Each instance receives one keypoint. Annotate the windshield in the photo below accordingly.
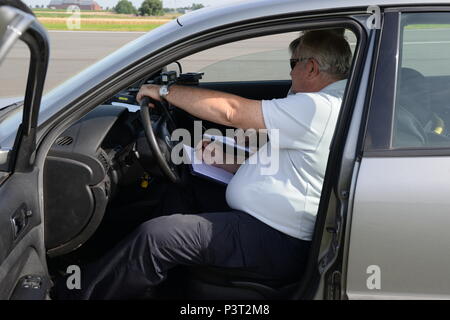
(73, 55)
(13, 74)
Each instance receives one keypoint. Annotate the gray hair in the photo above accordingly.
(328, 47)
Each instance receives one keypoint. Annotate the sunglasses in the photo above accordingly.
(293, 62)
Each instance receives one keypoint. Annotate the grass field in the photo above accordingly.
(103, 24)
(101, 21)
(53, 10)
(99, 15)
(93, 16)
(103, 27)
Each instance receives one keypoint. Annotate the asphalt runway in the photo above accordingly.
(71, 52)
(261, 58)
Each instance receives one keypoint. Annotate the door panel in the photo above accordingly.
(400, 225)
(23, 270)
(19, 214)
(21, 246)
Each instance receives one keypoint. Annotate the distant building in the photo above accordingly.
(83, 4)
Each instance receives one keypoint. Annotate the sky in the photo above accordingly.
(137, 3)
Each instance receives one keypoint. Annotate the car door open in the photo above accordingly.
(23, 270)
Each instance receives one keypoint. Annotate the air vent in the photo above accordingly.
(103, 160)
(64, 141)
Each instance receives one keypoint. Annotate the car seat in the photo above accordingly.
(416, 125)
(212, 283)
(413, 113)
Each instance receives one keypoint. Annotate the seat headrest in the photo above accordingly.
(414, 94)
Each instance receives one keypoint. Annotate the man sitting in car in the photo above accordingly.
(269, 228)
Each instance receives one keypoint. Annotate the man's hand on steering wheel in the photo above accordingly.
(158, 136)
(149, 90)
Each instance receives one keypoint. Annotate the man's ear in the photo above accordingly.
(313, 68)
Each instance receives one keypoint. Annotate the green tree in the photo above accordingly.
(151, 8)
(125, 7)
(196, 6)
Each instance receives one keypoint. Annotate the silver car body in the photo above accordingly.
(396, 207)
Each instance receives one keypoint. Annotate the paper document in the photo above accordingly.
(227, 141)
(203, 169)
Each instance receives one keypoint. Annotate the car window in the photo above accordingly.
(422, 102)
(256, 59)
(14, 73)
(263, 58)
(13, 83)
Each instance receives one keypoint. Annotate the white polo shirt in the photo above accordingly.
(287, 199)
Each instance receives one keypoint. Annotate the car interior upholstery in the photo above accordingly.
(416, 119)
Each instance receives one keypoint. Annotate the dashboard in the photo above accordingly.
(83, 170)
(88, 162)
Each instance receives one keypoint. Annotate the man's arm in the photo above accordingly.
(219, 107)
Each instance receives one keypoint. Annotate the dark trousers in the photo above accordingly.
(226, 239)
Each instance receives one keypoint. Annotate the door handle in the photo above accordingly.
(19, 220)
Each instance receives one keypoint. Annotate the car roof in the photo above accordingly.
(250, 9)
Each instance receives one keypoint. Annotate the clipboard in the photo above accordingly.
(201, 169)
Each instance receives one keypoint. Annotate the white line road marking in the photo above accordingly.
(81, 31)
(427, 42)
(429, 29)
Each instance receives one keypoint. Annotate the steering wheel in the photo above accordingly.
(158, 137)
